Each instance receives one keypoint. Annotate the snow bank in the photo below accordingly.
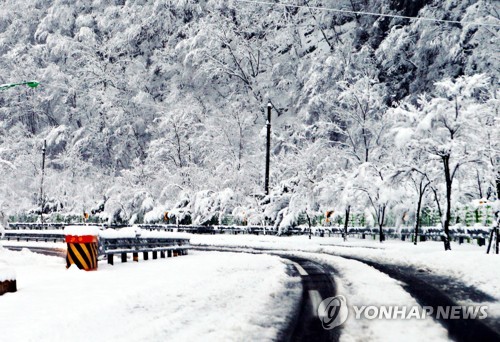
(205, 296)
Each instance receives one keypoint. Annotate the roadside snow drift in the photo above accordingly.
(203, 296)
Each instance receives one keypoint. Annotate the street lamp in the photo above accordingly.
(268, 147)
(32, 84)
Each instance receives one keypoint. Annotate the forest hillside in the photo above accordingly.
(154, 106)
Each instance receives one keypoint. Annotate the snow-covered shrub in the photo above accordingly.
(156, 214)
(208, 207)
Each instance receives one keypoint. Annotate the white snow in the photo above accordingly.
(403, 135)
(6, 273)
(155, 214)
(466, 263)
(135, 231)
(81, 230)
(363, 285)
(205, 296)
(229, 296)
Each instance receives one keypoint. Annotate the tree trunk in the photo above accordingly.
(498, 184)
(497, 242)
(417, 219)
(419, 207)
(480, 188)
(309, 223)
(447, 174)
(346, 223)
(381, 223)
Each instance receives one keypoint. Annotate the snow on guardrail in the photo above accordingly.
(136, 231)
(81, 230)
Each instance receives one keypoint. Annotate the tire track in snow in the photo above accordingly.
(427, 294)
(425, 291)
(317, 284)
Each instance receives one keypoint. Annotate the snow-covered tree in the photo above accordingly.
(448, 128)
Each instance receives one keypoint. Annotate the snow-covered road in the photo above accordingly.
(411, 276)
(362, 285)
(466, 263)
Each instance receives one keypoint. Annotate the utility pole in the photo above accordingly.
(42, 202)
(268, 147)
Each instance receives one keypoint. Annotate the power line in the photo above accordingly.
(367, 13)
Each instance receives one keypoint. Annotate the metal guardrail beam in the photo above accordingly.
(119, 245)
(28, 236)
(123, 246)
(470, 232)
(109, 245)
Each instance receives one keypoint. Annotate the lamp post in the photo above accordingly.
(42, 202)
(32, 84)
(268, 147)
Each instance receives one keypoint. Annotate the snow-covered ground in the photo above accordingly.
(467, 263)
(362, 286)
(227, 296)
(204, 296)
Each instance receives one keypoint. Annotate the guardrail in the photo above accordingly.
(57, 226)
(194, 229)
(459, 234)
(117, 243)
(31, 235)
(86, 244)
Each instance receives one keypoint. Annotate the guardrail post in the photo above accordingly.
(124, 257)
(169, 253)
(155, 255)
(135, 256)
(110, 259)
(162, 254)
(146, 255)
